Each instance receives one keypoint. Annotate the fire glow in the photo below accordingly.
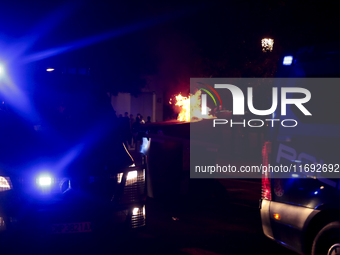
(190, 107)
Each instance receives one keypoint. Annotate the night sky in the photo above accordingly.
(175, 40)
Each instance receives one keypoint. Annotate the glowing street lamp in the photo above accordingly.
(267, 44)
(50, 69)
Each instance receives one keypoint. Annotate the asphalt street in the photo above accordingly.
(207, 226)
(225, 221)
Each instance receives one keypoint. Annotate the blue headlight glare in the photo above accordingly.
(44, 180)
(287, 60)
(2, 70)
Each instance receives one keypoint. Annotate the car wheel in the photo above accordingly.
(327, 241)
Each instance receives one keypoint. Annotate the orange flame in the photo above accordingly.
(190, 107)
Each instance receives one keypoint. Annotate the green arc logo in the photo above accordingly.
(210, 94)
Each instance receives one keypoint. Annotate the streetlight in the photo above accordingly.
(267, 44)
(50, 69)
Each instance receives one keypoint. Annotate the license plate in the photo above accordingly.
(64, 228)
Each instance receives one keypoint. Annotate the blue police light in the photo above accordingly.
(287, 60)
(45, 180)
(2, 70)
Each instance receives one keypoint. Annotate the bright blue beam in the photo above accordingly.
(69, 157)
(40, 30)
(13, 93)
(2, 70)
(105, 36)
(15, 97)
(95, 134)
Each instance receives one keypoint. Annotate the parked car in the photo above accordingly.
(300, 209)
(67, 170)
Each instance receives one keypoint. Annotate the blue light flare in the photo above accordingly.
(2, 70)
(45, 180)
(287, 60)
(44, 27)
(106, 36)
(16, 97)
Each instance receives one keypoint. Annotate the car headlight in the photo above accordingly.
(5, 183)
(131, 177)
(138, 217)
(119, 177)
